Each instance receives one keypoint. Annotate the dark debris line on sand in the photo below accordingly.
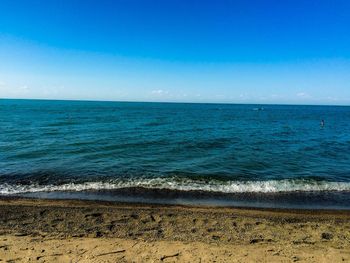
(169, 256)
(110, 253)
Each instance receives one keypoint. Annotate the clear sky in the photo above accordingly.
(244, 51)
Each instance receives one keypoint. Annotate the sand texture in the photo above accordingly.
(86, 231)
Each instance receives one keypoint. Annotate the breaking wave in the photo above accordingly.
(185, 184)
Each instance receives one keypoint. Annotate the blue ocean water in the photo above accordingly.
(271, 155)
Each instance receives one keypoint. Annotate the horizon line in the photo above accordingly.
(176, 102)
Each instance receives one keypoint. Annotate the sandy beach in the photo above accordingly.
(88, 231)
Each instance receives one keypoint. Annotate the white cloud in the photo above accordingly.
(244, 96)
(13, 91)
(303, 95)
(24, 88)
(332, 98)
(159, 92)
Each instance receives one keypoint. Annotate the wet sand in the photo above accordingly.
(87, 231)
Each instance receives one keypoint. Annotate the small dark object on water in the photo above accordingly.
(322, 123)
(258, 109)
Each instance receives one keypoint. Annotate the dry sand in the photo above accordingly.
(86, 231)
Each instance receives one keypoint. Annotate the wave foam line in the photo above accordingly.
(272, 186)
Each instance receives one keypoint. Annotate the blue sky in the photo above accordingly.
(245, 51)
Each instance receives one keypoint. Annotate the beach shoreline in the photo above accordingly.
(61, 230)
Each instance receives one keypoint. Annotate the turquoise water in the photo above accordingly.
(277, 156)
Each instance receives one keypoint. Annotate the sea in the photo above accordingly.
(271, 156)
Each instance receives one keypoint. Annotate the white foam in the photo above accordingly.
(184, 184)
